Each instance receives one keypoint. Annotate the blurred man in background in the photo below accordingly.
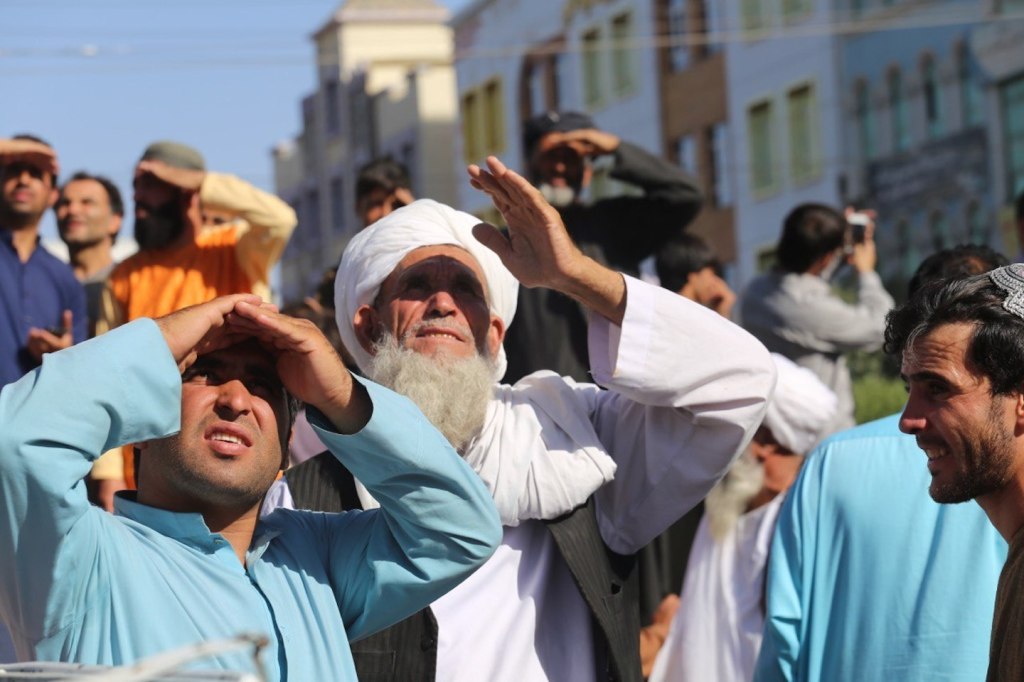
(560, 149)
(381, 187)
(794, 311)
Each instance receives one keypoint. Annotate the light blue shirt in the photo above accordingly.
(78, 584)
(869, 579)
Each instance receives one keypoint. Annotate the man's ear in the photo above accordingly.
(367, 327)
(54, 196)
(495, 335)
(115, 226)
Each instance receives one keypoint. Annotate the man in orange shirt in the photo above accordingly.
(182, 261)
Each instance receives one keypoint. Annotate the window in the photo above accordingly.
(686, 154)
(762, 155)
(538, 98)
(333, 106)
(865, 120)
(622, 54)
(801, 107)
(753, 14)
(471, 127)
(313, 215)
(1012, 102)
(977, 229)
(795, 9)
(592, 91)
(678, 46)
(939, 229)
(932, 97)
(494, 118)
(898, 114)
(719, 173)
(483, 122)
(337, 204)
(971, 95)
(905, 240)
(711, 12)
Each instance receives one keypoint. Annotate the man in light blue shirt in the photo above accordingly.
(205, 394)
(869, 578)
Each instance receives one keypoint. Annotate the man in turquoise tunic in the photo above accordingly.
(205, 395)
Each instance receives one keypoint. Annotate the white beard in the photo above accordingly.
(451, 392)
(559, 197)
(728, 500)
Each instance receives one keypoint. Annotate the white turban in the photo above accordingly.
(374, 253)
(801, 407)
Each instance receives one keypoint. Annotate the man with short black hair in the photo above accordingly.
(89, 213)
(794, 312)
(208, 396)
(868, 578)
(42, 305)
(688, 266)
(381, 187)
(962, 350)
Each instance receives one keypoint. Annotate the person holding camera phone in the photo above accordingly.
(793, 311)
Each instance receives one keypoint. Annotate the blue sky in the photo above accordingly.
(100, 79)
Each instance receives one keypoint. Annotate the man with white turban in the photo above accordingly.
(582, 477)
(716, 633)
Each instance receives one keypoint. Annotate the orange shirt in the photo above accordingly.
(158, 282)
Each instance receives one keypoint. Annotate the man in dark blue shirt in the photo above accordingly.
(42, 305)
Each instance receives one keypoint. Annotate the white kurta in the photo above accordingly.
(686, 390)
(716, 633)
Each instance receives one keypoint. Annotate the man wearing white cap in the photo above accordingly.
(716, 634)
(581, 477)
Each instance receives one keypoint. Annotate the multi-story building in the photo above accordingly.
(694, 111)
(385, 84)
(997, 47)
(516, 59)
(784, 119)
(917, 145)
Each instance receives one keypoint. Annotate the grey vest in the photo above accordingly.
(408, 650)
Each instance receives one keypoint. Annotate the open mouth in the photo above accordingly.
(229, 441)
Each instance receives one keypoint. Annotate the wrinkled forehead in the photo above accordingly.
(435, 258)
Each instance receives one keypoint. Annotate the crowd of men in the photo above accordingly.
(510, 455)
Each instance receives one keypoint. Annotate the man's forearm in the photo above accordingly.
(55, 422)
(597, 288)
(439, 521)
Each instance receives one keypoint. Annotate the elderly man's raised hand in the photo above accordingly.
(538, 250)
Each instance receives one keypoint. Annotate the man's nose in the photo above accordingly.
(441, 303)
(912, 420)
(233, 399)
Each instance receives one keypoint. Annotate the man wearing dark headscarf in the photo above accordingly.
(551, 329)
